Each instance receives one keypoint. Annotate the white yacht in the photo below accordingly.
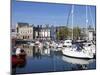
(76, 52)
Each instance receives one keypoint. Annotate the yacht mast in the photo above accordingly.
(86, 23)
(72, 11)
(92, 18)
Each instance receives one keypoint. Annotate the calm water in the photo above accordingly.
(47, 60)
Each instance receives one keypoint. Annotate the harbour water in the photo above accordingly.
(47, 60)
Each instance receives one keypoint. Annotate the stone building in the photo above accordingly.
(30, 32)
(24, 31)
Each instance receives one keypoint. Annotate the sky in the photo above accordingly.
(52, 13)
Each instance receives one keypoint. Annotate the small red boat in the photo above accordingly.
(18, 59)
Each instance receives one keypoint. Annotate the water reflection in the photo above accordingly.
(18, 62)
(47, 60)
(80, 63)
(35, 51)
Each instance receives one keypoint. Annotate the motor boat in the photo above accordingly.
(37, 43)
(76, 52)
(67, 43)
(18, 56)
(18, 52)
(60, 45)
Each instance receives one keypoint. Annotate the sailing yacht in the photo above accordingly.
(75, 52)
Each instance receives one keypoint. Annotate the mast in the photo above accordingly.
(69, 13)
(93, 23)
(92, 18)
(86, 22)
(72, 11)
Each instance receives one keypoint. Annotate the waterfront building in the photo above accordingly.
(45, 33)
(24, 31)
(91, 34)
(42, 33)
(88, 34)
(53, 33)
(30, 32)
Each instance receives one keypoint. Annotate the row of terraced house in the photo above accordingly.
(25, 31)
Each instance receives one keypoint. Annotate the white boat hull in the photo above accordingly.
(76, 61)
(77, 54)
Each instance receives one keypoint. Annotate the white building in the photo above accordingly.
(24, 31)
(91, 35)
(42, 33)
(88, 34)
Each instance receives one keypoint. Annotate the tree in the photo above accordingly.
(76, 33)
(63, 33)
